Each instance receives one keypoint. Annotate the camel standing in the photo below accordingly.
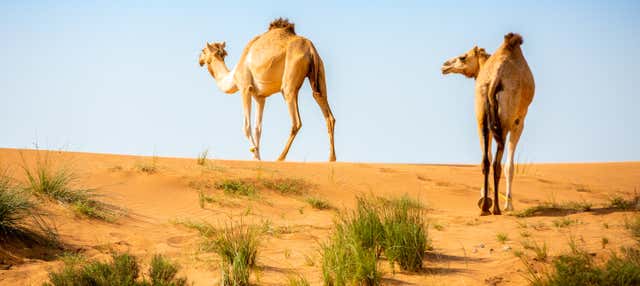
(276, 61)
(503, 91)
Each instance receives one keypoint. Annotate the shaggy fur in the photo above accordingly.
(282, 23)
(513, 40)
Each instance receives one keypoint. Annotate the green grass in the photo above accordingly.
(203, 157)
(57, 183)
(405, 234)
(318, 203)
(541, 251)
(15, 206)
(123, 269)
(236, 187)
(203, 199)
(286, 186)
(393, 227)
(577, 267)
(204, 228)
(502, 237)
(237, 246)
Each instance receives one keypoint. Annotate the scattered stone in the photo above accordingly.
(506, 248)
(490, 250)
(481, 245)
(474, 250)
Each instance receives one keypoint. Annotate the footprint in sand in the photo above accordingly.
(177, 241)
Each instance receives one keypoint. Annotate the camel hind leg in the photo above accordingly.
(321, 99)
(514, 137)
(295, 71)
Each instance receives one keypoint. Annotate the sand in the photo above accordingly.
(154, 202)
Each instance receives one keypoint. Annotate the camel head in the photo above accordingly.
(467, 64)
(211, 52)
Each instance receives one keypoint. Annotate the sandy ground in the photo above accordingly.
(154, 201)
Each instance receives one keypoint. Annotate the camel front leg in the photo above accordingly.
(485, 202)
(296, 123)
(246, 108)
(257, 132)
(514, 137)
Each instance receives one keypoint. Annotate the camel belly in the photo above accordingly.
(266, 73)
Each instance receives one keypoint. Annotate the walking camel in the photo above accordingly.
(276, 61)
(503, 91)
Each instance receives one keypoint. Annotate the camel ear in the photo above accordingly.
(223, 44)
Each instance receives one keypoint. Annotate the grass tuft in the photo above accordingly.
(56, 183)
(236, 187)
(298, 281)
(502, 237)
(550, 207)
(287, 186)
(621, 203)
(15, 206)
(318, 203)
(203, 157)
(122, 270)
(237, 246)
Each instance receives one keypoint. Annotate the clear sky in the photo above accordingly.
(123, 77)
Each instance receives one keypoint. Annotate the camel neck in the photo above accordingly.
(224, 79)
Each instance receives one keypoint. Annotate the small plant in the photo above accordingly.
(502, 237)
(318, 203)
(45, 179)
(237, 246)
(567, 207)
(438, 227)
(286, 186)
(204, 228)
(564, 222)
(621, 203)
(203, 157)
(604, 242)
(149, 168)
(525, 234)
(577, 267)
(633, 225)
(287, 253)
(14, 206)
(122, 270)
(298, 281)
(203, 199)
(405, 238)
(236, 187)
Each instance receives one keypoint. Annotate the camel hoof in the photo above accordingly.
(508, 207)
(496, 211)
(486, 201)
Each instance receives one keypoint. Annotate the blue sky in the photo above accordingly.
(123, 77)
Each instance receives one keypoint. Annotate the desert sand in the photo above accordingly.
(153, 202)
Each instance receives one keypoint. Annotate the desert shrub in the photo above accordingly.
(318, 203)
(298, 281)
(237, 246)
(123, 269)
(286, 186)
(202, 157)
(15, 206)
(236, 187)
(394, 227)
(405, 235)
(57, 183)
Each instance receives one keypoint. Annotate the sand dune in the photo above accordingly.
(154, 201)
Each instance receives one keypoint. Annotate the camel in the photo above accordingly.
(275, 61)
(504, 89)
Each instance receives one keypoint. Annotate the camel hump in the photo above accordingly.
(513, 40)
(283, 23)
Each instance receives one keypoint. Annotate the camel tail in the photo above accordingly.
(316, 73)
(491, 110)
(513, 40)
